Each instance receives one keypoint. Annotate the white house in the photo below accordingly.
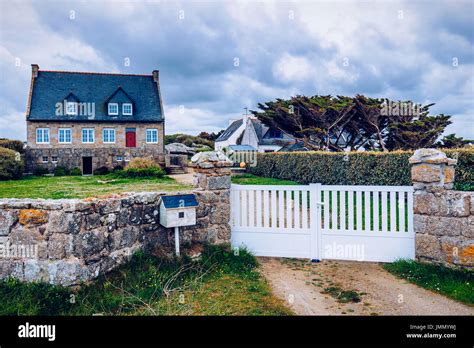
(250, 131)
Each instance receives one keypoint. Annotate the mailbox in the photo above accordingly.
(178, 210)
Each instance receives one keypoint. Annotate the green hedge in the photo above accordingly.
(354, 168)
(10, 167)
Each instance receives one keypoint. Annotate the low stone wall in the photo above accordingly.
(70, 241)
(443, 218)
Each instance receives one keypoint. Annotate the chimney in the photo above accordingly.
(156, 75)
(34, 70)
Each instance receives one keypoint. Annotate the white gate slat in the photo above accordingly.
(259, 208)
(334, 210)
(296, 210)
(251, 212)
(350, 206)
(273, 202)
(327, 207)
(410, 212)
(281, 209)
(376, 211)
(266, 209)
(358, 210)
(401, 209)
(393, 212)
(342, 207)
(367, 209)
(384, 212)
(237, 204)
(304, 204)
(244, 219)
(289, 218)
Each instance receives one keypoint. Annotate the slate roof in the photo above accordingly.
(179, 201)
(298, 146)
(230, 130)
(51, 87)
(263, 135)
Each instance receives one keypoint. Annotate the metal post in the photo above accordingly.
(176, 240)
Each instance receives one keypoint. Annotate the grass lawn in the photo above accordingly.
(220, 283)
(454, 283)
(83, 186)
(250, 179)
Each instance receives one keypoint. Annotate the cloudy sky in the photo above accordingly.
(216, 57)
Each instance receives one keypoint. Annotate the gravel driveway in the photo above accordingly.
(302, 283)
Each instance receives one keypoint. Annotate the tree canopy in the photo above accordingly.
(336, 123)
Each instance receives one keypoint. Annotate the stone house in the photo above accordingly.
(92, 120)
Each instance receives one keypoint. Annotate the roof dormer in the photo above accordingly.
(120, 103)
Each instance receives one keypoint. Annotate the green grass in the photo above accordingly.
(250, 179)
(457, 284)
(220, 283)
(83, 186)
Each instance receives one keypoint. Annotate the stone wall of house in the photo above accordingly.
(104, 154)
(74, 240)
(443, 218)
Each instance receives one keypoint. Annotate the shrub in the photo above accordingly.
(75, 171)
(101, 171)
(118, 167)
(15, 145)
(139, 163)
(354, 168)
(155, 172)
(10, 167)
(61, 171)
(40, 171)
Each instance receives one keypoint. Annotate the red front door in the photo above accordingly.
(130, 139)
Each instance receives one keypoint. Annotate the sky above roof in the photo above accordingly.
(215, 57)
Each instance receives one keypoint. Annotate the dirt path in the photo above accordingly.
(186, 179)
(301, 284)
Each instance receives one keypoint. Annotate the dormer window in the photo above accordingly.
(113, 109)
(127, 109)
(71, 108)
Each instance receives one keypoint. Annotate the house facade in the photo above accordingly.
(93, 120)
(252, 132)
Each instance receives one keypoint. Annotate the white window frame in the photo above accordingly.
(131, 109)
(74, 108)
(108, 108)
(151, 130)
(52, 159)
(65, 130)
(42, 131)
(119, 158)
(108, 130)
(93, 136)
(43, 157)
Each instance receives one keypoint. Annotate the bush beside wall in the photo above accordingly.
(354, 168)
(10, 167)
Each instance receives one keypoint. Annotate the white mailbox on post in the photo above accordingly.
(178, 210)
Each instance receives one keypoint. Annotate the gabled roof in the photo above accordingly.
(179, 201)
(262, 132)
(51, 87)
(230, 130)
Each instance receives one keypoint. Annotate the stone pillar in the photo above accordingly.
(431, 170)
(443, 218)
(212, 187)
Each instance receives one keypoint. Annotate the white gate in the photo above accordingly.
(365, 223)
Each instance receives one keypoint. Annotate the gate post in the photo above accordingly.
(315, 221)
